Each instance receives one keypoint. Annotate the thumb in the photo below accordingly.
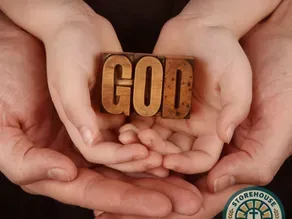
(236, 95)
(261, 155)
(22, 162)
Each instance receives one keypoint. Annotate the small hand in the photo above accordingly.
(220, 102)
(73, 58)
(74, 40)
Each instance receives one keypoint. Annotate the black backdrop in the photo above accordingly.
(137, 23)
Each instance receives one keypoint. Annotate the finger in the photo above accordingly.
(163, 132)
(129, 132)
(141, 122)
(22, 162)
(152, 161)
(184, 201)
(257, 160)
(203, 156)
(91, 190)
(212, 206)
(213, 202)
(175, 125)
(114, 174)
(179, 182)
(113, 153)
(159, 172)
(129, 137)
(109, 153)
(171, 186)
(236, 95)
(153, 141)
(128, 127)
(183, 141)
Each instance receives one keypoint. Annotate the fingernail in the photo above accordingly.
(87, 135)
(58, 174)
(223, 182)
(230, 132)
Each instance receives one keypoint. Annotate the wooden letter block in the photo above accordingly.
(177, 94)
(147, 85)
(116, 82)
(148, 79)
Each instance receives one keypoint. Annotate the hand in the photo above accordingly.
(37, 153)
(74, 41)
(212, 204)
(263, 142)
(220, 101)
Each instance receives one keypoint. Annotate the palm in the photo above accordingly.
(180, 140)
(194, 145)
(27, 109)
(271, 107)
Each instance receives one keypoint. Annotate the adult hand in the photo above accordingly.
(263, 142)
(212, 204)
(37, 153)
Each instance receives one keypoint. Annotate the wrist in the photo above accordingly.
(236, 16)
(44, 19)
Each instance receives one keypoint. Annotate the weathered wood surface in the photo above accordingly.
(147, 85)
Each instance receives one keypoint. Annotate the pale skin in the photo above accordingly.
(100, 136)
(208, 31)
(218, 107)
(259, 147)
(37, 154)
(74, 31)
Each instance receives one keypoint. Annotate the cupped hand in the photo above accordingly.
(211, 206)
(263, 141)
(220, 101)
(73, 58)
(33, 142)
(37, 153)
(74, 39)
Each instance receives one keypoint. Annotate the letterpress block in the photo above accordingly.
(116, 84)
(147, 85)
(178, 84)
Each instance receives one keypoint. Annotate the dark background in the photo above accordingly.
(137, 23)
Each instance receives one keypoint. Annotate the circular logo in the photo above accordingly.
(254, 203)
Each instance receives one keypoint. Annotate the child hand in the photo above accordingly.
(220, 102)
(73, 38)
(222, 90)
(221, 98)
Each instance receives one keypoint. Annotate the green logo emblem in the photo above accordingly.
(254, 203)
